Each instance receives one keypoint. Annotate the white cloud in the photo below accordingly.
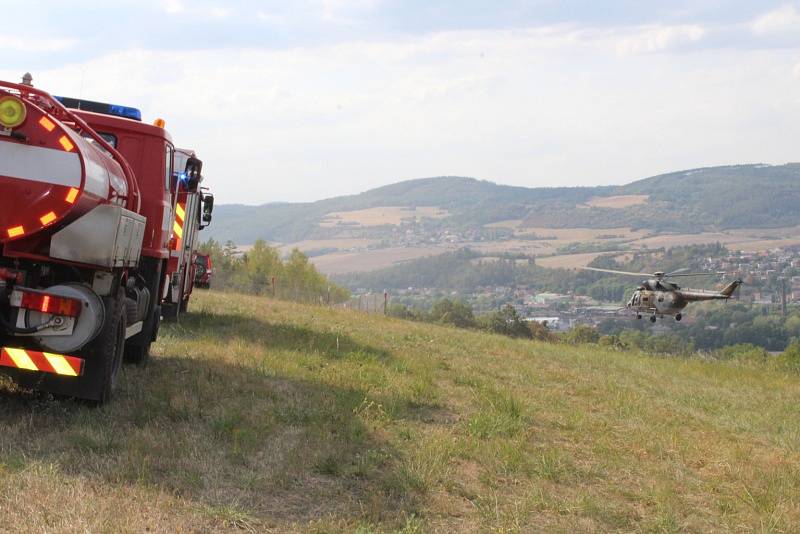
(544, 106)
(659, 39)
(271, 18)
(173, 7)
(178, 7)
(218, 12)
(29, 44)
(345, 10)
(785, 20)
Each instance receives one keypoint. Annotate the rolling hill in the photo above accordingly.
(264, 416)
(688, 201)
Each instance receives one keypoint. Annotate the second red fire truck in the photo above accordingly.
(189, 220)
(88, 203)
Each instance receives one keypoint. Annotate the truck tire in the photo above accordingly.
(172, 308)
(104, 354)
(184, 306)
(171, 311)
(137, 349)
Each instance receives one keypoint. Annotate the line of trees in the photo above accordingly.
(262, 271)
(505, 321)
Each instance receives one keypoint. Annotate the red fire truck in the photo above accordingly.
(192, 214)
(87, 203)
(203, 271)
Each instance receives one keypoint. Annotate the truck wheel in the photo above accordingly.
(184, 306)
(104, 355)
(170, 311)
(137, 349)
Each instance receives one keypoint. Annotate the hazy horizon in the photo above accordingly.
(497, 182)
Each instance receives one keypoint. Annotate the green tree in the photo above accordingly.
(790, 359)
(581, 334)
(507, 322)
(454, 312)
(253, 272)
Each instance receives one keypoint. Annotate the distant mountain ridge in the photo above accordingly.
(694, 200)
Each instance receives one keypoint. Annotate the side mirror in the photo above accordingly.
(193, 173)
(208, 208)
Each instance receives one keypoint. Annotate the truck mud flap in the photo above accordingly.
(44, 362)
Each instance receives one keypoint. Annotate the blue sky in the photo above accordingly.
(310, 99)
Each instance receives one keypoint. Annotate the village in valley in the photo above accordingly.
(771, 280)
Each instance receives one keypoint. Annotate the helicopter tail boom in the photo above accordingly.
(693, 295)
(731, 288)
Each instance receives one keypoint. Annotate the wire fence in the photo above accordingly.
(368, 303)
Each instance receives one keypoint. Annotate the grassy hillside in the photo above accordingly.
(685, 201)
(258, 415)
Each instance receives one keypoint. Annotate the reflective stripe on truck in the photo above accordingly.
(46, 362)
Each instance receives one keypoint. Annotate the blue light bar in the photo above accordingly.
(128, 113)
(100, 107)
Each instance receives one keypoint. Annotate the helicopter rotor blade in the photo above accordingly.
(689, 274)
(682, 270)
(626, 273)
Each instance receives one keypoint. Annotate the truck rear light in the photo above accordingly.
(51, 304)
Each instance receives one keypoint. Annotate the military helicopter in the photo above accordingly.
(659, 297)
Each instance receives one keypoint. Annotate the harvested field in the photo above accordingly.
(510, 224)
(571, 261)
(571, 235)
(372, 260)
(766, 233)
(680, 240)
(618, 202)
(338, 244)
(763, 244)
(346, 260)
(387, 215)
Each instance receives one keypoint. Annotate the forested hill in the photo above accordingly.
(737, 196)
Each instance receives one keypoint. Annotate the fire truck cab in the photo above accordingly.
(193, 211)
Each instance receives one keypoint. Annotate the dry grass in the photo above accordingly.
(618, 202)
(392, 215)
(263, 416)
